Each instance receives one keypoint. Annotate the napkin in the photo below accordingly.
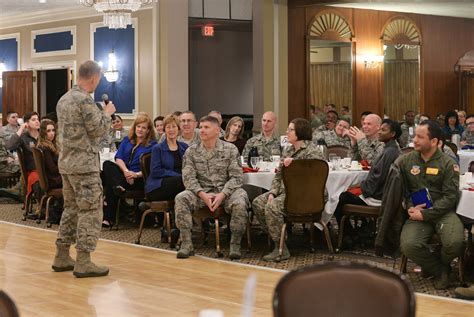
(249, 170)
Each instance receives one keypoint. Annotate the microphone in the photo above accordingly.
(105, 99)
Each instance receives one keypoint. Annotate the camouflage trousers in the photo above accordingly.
(82, 216)
(187, 202)
(270, 215)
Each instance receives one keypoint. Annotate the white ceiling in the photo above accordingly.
(17, 12)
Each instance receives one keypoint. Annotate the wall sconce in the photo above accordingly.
(372, 61)
(3, 68)
(111, 74)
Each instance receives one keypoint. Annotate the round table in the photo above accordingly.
(337, 182)
(465, 157)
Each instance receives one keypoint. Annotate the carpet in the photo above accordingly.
(298, 244)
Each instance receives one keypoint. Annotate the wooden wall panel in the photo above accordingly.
(444, 41)
(296, 65)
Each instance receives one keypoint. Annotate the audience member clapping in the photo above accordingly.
(365, 144)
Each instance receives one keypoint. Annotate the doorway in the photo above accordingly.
(52, 85)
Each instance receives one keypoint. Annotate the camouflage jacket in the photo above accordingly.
(213, 171)
(7, 131)
(331, 138)
(307, 151)
(8, 163)
(405, 139)
(265, 147)
(81, 127)
(368, 150)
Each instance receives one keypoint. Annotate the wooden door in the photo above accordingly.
(17, 92)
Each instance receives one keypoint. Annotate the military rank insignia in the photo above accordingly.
(415, 170)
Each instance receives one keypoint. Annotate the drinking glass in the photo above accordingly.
(254, 161)
(331, 156)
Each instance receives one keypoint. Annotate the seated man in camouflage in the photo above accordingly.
(332, 117)
(8, 164)
(337, 136)
(269, 207)
(11, 127)
(365, 143)
(468, 134)
(267, 143)
(428, 168)
(213, 176)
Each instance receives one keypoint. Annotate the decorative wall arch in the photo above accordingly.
(330, 25)
(400, 30)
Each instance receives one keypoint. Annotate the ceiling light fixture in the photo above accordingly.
(117, 13)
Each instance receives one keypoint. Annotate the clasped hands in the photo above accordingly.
(415, 212)
(213, 201)
(130, 176)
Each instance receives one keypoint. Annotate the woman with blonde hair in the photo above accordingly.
(234, 132)
(165, 180)
(125, 173)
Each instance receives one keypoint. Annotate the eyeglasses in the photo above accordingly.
(469, 123)
(289, 130)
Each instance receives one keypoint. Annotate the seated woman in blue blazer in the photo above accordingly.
(124, 173)
(165, 181)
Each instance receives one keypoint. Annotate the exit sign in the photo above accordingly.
(207, 30)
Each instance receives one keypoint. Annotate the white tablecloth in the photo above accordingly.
(465, 157)
(338, 182)
(465, 206)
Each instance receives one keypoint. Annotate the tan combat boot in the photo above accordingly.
(235, 240)
(465, 292)
(186, 249)
(274, 256)
(63, 261)
(85, 268)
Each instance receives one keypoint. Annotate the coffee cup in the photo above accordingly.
(354, 165)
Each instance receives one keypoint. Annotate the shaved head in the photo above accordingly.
(371, 125)
(269, 120)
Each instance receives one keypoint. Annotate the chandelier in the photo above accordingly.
(117, 13)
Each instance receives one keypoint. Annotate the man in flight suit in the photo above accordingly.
(429, 168)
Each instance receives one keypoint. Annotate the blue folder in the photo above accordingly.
(422, 197)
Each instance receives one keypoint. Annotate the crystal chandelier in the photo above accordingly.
(117, 13)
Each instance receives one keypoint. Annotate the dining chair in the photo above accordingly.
(344, 289)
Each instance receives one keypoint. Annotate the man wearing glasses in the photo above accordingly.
(468, 134)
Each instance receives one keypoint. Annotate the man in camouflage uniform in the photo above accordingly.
(428, 168)
(189, 134)
(267, 143)
(216, 114)
(346, 114)
(405, 139)
(366, 144)
(332, 117)
(81, 125)
(11, 128)
(338, 136)
(8, 163)
(269, 207)
(213, 176)
(468, 134)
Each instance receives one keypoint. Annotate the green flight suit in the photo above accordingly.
(440, 175)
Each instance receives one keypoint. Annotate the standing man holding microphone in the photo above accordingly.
(81, 126)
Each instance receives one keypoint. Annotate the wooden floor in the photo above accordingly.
(142, 282)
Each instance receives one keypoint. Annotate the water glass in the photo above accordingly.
(254, 161)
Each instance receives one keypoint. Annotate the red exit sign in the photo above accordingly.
(207, 30)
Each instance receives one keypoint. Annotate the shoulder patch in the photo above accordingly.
(415, 170)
